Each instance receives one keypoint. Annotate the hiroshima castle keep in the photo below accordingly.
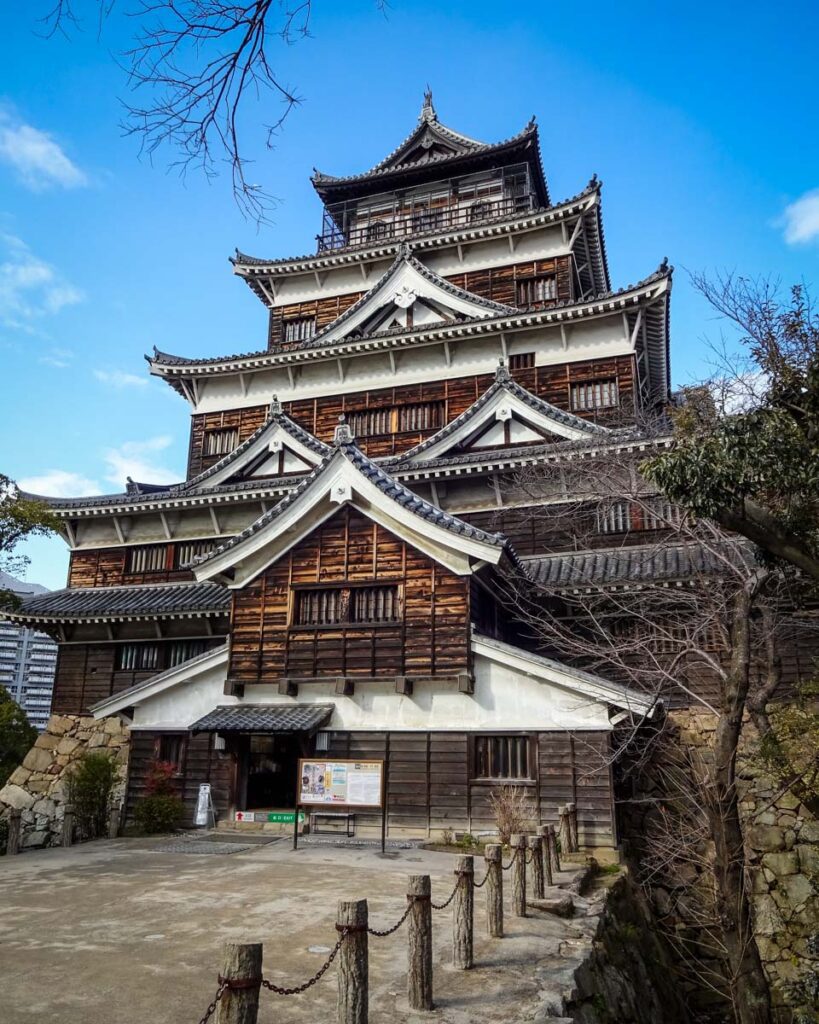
(330, 580)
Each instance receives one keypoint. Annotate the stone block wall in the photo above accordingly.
(39, 787)
(782, 854)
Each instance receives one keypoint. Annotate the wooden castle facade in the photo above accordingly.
(329, 578)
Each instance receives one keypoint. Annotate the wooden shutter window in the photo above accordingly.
(330, 606)
(146, 558)
(220, 442)
(532, 290)
(300, 328)
(595, 394)
(502, 757)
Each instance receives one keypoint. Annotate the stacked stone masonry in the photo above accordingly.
(39, 787)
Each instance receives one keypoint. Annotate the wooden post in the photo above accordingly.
(565, 830)
(494, 890)
(242, 964)
(353, 970)
(546, 855)
(68, 825)
(536, 846)
(575, 845)
(113, 820)
(419, 966)
(554, 856)
(463, 908)
(15, 823)
(518, 844)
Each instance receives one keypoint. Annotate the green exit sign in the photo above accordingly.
(282, 816)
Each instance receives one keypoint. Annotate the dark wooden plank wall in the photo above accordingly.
(430, 638)
(320, 415)
(105, 567)
(86, 674)
(497, 283)
(200, 763)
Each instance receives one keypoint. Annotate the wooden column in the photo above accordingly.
(419, 965)
(353, 971)
(536, 846)
(565, 833)
(68, 825)
(242, 964)
(518, 844)
(463, 910)
(546, 855)
(15, 825)
(554, 856)
(573, 840)
(494, 890)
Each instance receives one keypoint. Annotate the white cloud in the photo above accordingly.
(800, 221)
(138, 460)
(59, 483)
(37, 159)
(30, 288)
(59, 358)
(120, 379)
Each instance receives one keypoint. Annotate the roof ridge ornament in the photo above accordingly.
(428, 110)
(275, 408)
(502, 374)
(343, 434)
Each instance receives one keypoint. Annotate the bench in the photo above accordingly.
(348, 816)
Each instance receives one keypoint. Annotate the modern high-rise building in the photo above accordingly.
(28, 659)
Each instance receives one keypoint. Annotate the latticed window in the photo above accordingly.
(595, 394)
(660, 515)
(537, 289)
(480, 211)
(147, 558)
(222, 441)
(299, 328)
(327, 606)
(378, 230)
(416, 416)
(615, 518)
(427, 220)
(138, 657)
(622, 516)
(170, 748)
(502, 757)
(190, 549)
(522, 361)
(184, 650)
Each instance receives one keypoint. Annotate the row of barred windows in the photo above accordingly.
(328, 606)
(156, 657)
(148, 558)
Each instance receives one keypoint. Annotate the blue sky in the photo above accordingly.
(701, 119)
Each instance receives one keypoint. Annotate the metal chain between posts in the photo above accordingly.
(389, 931)
(280, 991)
(443, 906)
(478, 885)
(212, 1005)
(506, 867)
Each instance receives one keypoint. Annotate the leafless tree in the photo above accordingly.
(675, 607)
(198, 63)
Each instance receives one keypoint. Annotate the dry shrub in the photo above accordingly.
(510, 810)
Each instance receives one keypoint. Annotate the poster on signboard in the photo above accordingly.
(354, 783)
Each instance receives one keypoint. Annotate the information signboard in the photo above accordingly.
(352, 783)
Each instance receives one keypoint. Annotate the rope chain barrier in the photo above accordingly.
(443, 906)
(479, 885)
(515, 855)
(389, 931)
(213, 1004)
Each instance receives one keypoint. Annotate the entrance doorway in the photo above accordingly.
(272, 763)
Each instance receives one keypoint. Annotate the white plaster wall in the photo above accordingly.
(503, 699)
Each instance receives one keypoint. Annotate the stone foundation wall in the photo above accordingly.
(782, 853)
(39, 787)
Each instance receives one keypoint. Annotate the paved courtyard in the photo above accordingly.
(118, 932)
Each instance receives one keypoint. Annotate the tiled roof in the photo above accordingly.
(627, 565)
(78, 603)
(394, 490)
(503, 382)
(265, 718)
(663, 271)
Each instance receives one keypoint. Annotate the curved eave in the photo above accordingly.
(526, 143)
(35, 619)
(175, 369)
(250, 267)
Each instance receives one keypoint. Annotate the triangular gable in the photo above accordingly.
(506, 414)
(347, 476)
(408, 295)
(279, 447)
(429, 140)
(586, 685)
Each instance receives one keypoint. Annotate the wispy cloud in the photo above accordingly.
(37, 159)
(139, 460)
(30, 288)
(120, 379)
(59, 358)
(800, 220)
(59, 483)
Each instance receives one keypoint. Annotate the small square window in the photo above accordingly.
(505, 758)
(170, 749)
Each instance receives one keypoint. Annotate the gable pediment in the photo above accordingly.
(409, 295)
(504, 416)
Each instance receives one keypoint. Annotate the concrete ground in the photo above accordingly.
(117, 932)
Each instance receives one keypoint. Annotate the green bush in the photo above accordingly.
(159, 813)
(89, 790)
